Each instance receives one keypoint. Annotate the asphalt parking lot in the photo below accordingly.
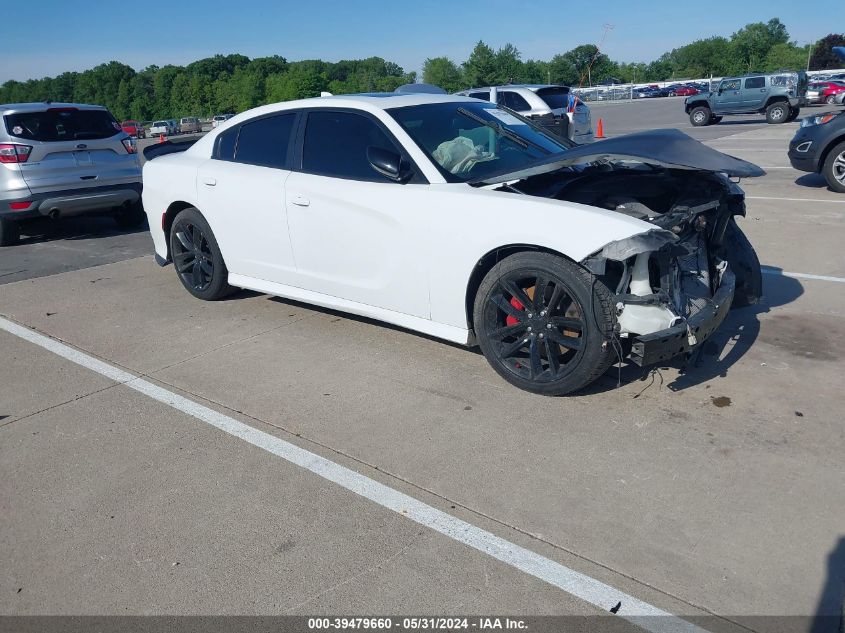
(394, 473)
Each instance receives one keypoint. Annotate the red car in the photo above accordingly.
(685, 91)
(824, 91)
(133, 128)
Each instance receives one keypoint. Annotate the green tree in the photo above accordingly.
(786, 57)
(752, 43)
(443, 72)
(823, 57)
(298, 83)
(480, 69)
(508, 64)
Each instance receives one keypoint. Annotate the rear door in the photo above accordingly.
(754, 93)
(241, 191)
(72, 148)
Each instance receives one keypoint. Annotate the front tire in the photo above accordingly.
(833, 169)
(715, 119)
(700, 116)
(777, 112)
(544, 323)
(9, 232)
(197, 257)
(793, 114)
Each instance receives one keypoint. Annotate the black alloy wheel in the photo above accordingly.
(196, 256)
(192, 257)
(534, 325)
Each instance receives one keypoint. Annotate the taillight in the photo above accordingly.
(13, 153)
(129, 145)
(20, 206)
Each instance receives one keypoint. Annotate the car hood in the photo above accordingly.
(666, 148)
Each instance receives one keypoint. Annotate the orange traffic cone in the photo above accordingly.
(161, 136)
(600, 130)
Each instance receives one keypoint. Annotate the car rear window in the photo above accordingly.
(557, 97)
(62, 125)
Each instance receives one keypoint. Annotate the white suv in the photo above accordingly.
(545, 103)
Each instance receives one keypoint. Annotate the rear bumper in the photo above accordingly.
(685, 337)
(71, 202)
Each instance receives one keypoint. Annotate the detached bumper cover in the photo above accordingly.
(648, 349)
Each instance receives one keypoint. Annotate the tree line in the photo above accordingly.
(757, 47)
(234, 83)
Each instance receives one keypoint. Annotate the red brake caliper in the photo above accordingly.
(512, 320)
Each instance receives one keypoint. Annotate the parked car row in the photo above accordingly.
(167, 127)
(825, 91)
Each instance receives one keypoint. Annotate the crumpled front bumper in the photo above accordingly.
(648, 349)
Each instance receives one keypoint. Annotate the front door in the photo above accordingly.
(728, 97)
(356, 234)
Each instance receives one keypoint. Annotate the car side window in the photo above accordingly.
(224, 147)
(336, 145)
(755, 82)
(264, 142)
(513, 101)
(730, 84)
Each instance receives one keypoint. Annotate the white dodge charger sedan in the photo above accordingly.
(463, 220)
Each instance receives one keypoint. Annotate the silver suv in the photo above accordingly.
(546, 104)
(63, 159)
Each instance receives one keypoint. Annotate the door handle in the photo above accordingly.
(209, 181)
(300, 200)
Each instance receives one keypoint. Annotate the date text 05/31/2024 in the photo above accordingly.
(428, 623)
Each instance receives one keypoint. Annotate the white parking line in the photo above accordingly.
(598, 594)
(794, 199)
(771, 270)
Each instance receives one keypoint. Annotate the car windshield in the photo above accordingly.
(470, 140)
(556, 97)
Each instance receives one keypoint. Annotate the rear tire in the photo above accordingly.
(9, 232)
(197, 258)
(831, 99)
(777, 112)
(553, 341)
(131, 218)
(700, 116)
(833, 169)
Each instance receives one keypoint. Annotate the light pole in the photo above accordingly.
(809, 50)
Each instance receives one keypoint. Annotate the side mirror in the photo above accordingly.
(387, 163)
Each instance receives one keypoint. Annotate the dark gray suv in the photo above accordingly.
(58, 160)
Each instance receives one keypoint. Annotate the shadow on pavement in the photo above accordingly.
(816, 181)
(830, 612)
(78, 228)
(714, 358)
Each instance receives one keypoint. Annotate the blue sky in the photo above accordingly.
(75, 35)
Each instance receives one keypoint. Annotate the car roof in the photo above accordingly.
(42, 106)
(531, 87)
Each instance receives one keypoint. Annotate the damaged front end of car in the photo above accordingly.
(675, 283)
